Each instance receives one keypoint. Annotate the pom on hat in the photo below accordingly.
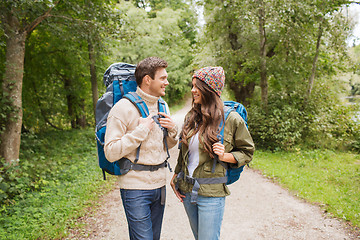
(214, 77)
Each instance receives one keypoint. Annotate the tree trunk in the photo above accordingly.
(70, 99)
(263, 73)
(94, 86)
(12, 88)
(16, 32)
(242, 92)
(80, 117)
(313, 71)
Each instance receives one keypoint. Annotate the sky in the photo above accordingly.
(354, 12)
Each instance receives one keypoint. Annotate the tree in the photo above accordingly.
(19, 19)
(160, 36)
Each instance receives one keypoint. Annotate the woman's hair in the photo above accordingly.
(204, 118)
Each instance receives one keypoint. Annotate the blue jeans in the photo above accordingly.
(144, 213)
(205, 216)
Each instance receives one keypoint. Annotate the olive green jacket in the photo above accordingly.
(237, 141)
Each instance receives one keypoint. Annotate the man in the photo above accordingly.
(142, 192)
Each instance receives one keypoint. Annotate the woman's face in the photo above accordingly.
(196, 92)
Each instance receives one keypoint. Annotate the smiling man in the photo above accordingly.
(142, 191)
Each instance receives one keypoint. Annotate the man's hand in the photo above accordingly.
(147, 122)
(166, 121)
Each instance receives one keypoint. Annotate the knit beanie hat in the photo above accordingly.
(214, 77)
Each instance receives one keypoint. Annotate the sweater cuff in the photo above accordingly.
(173, 131)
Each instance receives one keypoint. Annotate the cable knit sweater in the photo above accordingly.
(124, 135)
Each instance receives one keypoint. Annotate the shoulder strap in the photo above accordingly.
(138, 102)
(227, 111)
(162, 106)
(143, 110)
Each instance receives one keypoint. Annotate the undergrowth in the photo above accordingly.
(56, 179)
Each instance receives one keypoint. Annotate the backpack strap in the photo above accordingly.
(216, 180)
(162, 108)
(227, 111)
(196, 182)
(144, 112)
(138, 102)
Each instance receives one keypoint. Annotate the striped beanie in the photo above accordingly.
(214, 77)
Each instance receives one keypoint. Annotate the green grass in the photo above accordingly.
(72, 183)
(331, 179)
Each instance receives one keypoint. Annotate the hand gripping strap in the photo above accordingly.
(144, 112)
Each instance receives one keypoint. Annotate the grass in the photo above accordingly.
(72, 185)
(331, 179)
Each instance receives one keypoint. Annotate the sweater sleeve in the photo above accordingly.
(172, 138)
(119, 141)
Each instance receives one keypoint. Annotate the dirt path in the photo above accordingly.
(256, 209)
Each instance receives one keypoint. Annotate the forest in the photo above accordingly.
(288, 62)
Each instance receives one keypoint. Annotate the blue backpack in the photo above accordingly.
(120, 82)
(233, 174)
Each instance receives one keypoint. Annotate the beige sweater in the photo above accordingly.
(123, 136)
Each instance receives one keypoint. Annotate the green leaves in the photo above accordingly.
(54, 181)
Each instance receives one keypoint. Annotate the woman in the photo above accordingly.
(199, 176)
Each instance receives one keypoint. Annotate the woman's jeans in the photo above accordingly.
(144, 213)
(205, 216)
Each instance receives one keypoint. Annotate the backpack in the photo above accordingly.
(233, 174)
(120, 82)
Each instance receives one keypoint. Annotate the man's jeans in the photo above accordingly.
(205, 216)
(144, 213)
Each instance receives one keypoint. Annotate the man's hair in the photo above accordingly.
(148, 66)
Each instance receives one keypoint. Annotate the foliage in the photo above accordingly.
(326, 177)
(56, 73)
(158, 36)
(231, 39)
(56, 178)
(322, 121)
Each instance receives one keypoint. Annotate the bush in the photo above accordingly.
(321, 122)
(56, 178)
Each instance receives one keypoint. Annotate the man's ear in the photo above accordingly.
(147, 80)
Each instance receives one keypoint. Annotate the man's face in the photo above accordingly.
(159, 83)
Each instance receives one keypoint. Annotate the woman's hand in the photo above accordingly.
(177, 193)
(219, 149)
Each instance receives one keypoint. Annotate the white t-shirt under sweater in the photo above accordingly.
(193, 154)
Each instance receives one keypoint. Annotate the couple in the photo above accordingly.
(143, 192)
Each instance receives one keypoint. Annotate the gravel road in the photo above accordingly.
(256, 209)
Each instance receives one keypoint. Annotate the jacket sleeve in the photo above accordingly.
(119, 142)
(179, 162)
(243, 145)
